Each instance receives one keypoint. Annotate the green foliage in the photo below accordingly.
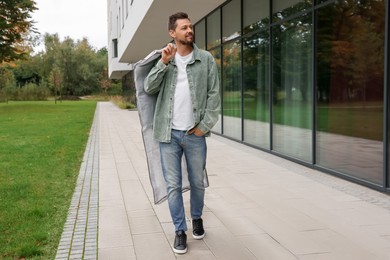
(15, 23)
(32, 91)
(122, 102)
(41, 146)
(66, 68)
(115, 88)
(28, 70)
(7, 84)
(55, 82)
(81, 66)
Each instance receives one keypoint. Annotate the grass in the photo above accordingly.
(41, 148)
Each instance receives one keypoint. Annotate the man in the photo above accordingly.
(187, 107)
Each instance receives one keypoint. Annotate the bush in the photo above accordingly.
(122, 102)
(31, 91)
(116, 89)
(7, 93)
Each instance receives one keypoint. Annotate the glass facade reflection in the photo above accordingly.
(283, 9)
(256, 15)
(256, 89)
(231, 87)
(216, 52)
(292, 88)
(200, 34)
(350, 58)
(305, 80)
(231, 20)
(213, 29)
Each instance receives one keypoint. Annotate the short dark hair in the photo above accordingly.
(173, 18)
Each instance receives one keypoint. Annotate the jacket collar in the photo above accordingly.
(195, 56)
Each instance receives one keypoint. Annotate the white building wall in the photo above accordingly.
(140, 26)
(118, 12)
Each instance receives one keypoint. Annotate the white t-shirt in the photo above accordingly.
(183, 118)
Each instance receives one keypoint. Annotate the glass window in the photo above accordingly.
(282, 9)
(217, 56)
(200, 34)
(231, 20)
(350, 69)
(256, 15)
(256, 89)
(123, 14)
(127, 9)
(214, 29)
(114, 48)
(231, 84)
(292, 88)
(119, 22)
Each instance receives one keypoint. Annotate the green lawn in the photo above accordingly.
(41, 148)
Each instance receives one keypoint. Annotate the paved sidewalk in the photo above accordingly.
(258, 206)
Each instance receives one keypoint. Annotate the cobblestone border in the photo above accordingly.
(80, 235)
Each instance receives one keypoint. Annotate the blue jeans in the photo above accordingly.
(194, 149)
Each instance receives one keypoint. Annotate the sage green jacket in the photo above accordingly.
(203, 81)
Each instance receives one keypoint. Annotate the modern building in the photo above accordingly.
(305, 80)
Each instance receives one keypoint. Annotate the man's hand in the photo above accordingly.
(168, 53)
(196, 131)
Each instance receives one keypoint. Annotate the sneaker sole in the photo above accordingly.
(178, 251)
(199, 237)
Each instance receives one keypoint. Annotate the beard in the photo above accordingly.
(187, 42)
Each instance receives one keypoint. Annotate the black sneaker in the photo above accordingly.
(180, 245)
(197, 229)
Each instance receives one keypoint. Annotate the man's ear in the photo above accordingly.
(172, 33)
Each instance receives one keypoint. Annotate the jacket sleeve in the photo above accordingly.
(213, 101)
(153, 82)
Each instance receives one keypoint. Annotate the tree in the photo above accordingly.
(55, 82)
(66, 67)
(105, 82)
(7, 83)
(27, 70)
(15, 24)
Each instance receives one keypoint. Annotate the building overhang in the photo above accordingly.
(116, 70)
(152, 32)
(118, 74)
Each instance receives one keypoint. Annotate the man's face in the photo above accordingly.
(183, 32)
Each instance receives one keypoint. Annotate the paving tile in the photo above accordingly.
(117, 253)
(112, 217)
(258, 206)
(141, 213)
(114, 237)
(162, 212)
(197, 250)
(263, 246)
(145, 225)
(126, 171)
(134, 196)
(144, 243)
(224, 245)
(240, 226)
(339, 245)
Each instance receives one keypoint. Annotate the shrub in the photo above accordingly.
(32, 91)
(122, 103)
